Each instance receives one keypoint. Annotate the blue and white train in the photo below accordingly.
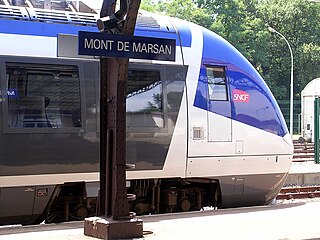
(204, 130)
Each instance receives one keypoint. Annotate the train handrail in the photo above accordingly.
(37, 14)
(68, 17)
(46, 15)
(14, 12)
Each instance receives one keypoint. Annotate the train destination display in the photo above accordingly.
(112, 45)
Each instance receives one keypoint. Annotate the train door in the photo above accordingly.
(219, 105)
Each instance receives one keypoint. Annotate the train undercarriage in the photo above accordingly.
(70, 202)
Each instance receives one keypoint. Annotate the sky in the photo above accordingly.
(94, 4)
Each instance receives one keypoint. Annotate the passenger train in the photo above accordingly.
(204, 130)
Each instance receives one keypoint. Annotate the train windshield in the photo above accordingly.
(43, 96)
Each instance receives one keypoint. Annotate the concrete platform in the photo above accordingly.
(303, 174)
(285, 221)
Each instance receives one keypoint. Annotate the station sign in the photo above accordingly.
(125, 46)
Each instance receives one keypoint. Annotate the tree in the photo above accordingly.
(156, 105)
(298, 21)
(309, 62)
(149, 5)
(183, 9)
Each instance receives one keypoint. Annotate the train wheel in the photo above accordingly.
(185, 205)
(80, 212)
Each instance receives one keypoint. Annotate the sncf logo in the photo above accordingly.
(240, 96)
(11, 93)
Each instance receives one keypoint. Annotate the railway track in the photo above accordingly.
(303, 152)
(288, 193)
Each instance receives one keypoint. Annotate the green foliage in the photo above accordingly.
(148, 5)
(298, 21)
(308, 64)
(183, 9)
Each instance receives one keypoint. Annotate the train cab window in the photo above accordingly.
(217, 83)
(144, 99)
(43, 96)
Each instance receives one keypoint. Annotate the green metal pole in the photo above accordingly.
(316, 130)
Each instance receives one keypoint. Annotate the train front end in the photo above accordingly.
(238, 135)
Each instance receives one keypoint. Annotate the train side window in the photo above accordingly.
(144, 99)
(43, 96)
(217, 84)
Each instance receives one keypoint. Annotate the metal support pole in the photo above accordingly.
(117, 142)
(103, 140)
(316, 130)
(116, 70)
(116, 223)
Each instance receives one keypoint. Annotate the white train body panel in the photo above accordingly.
(19, 45)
